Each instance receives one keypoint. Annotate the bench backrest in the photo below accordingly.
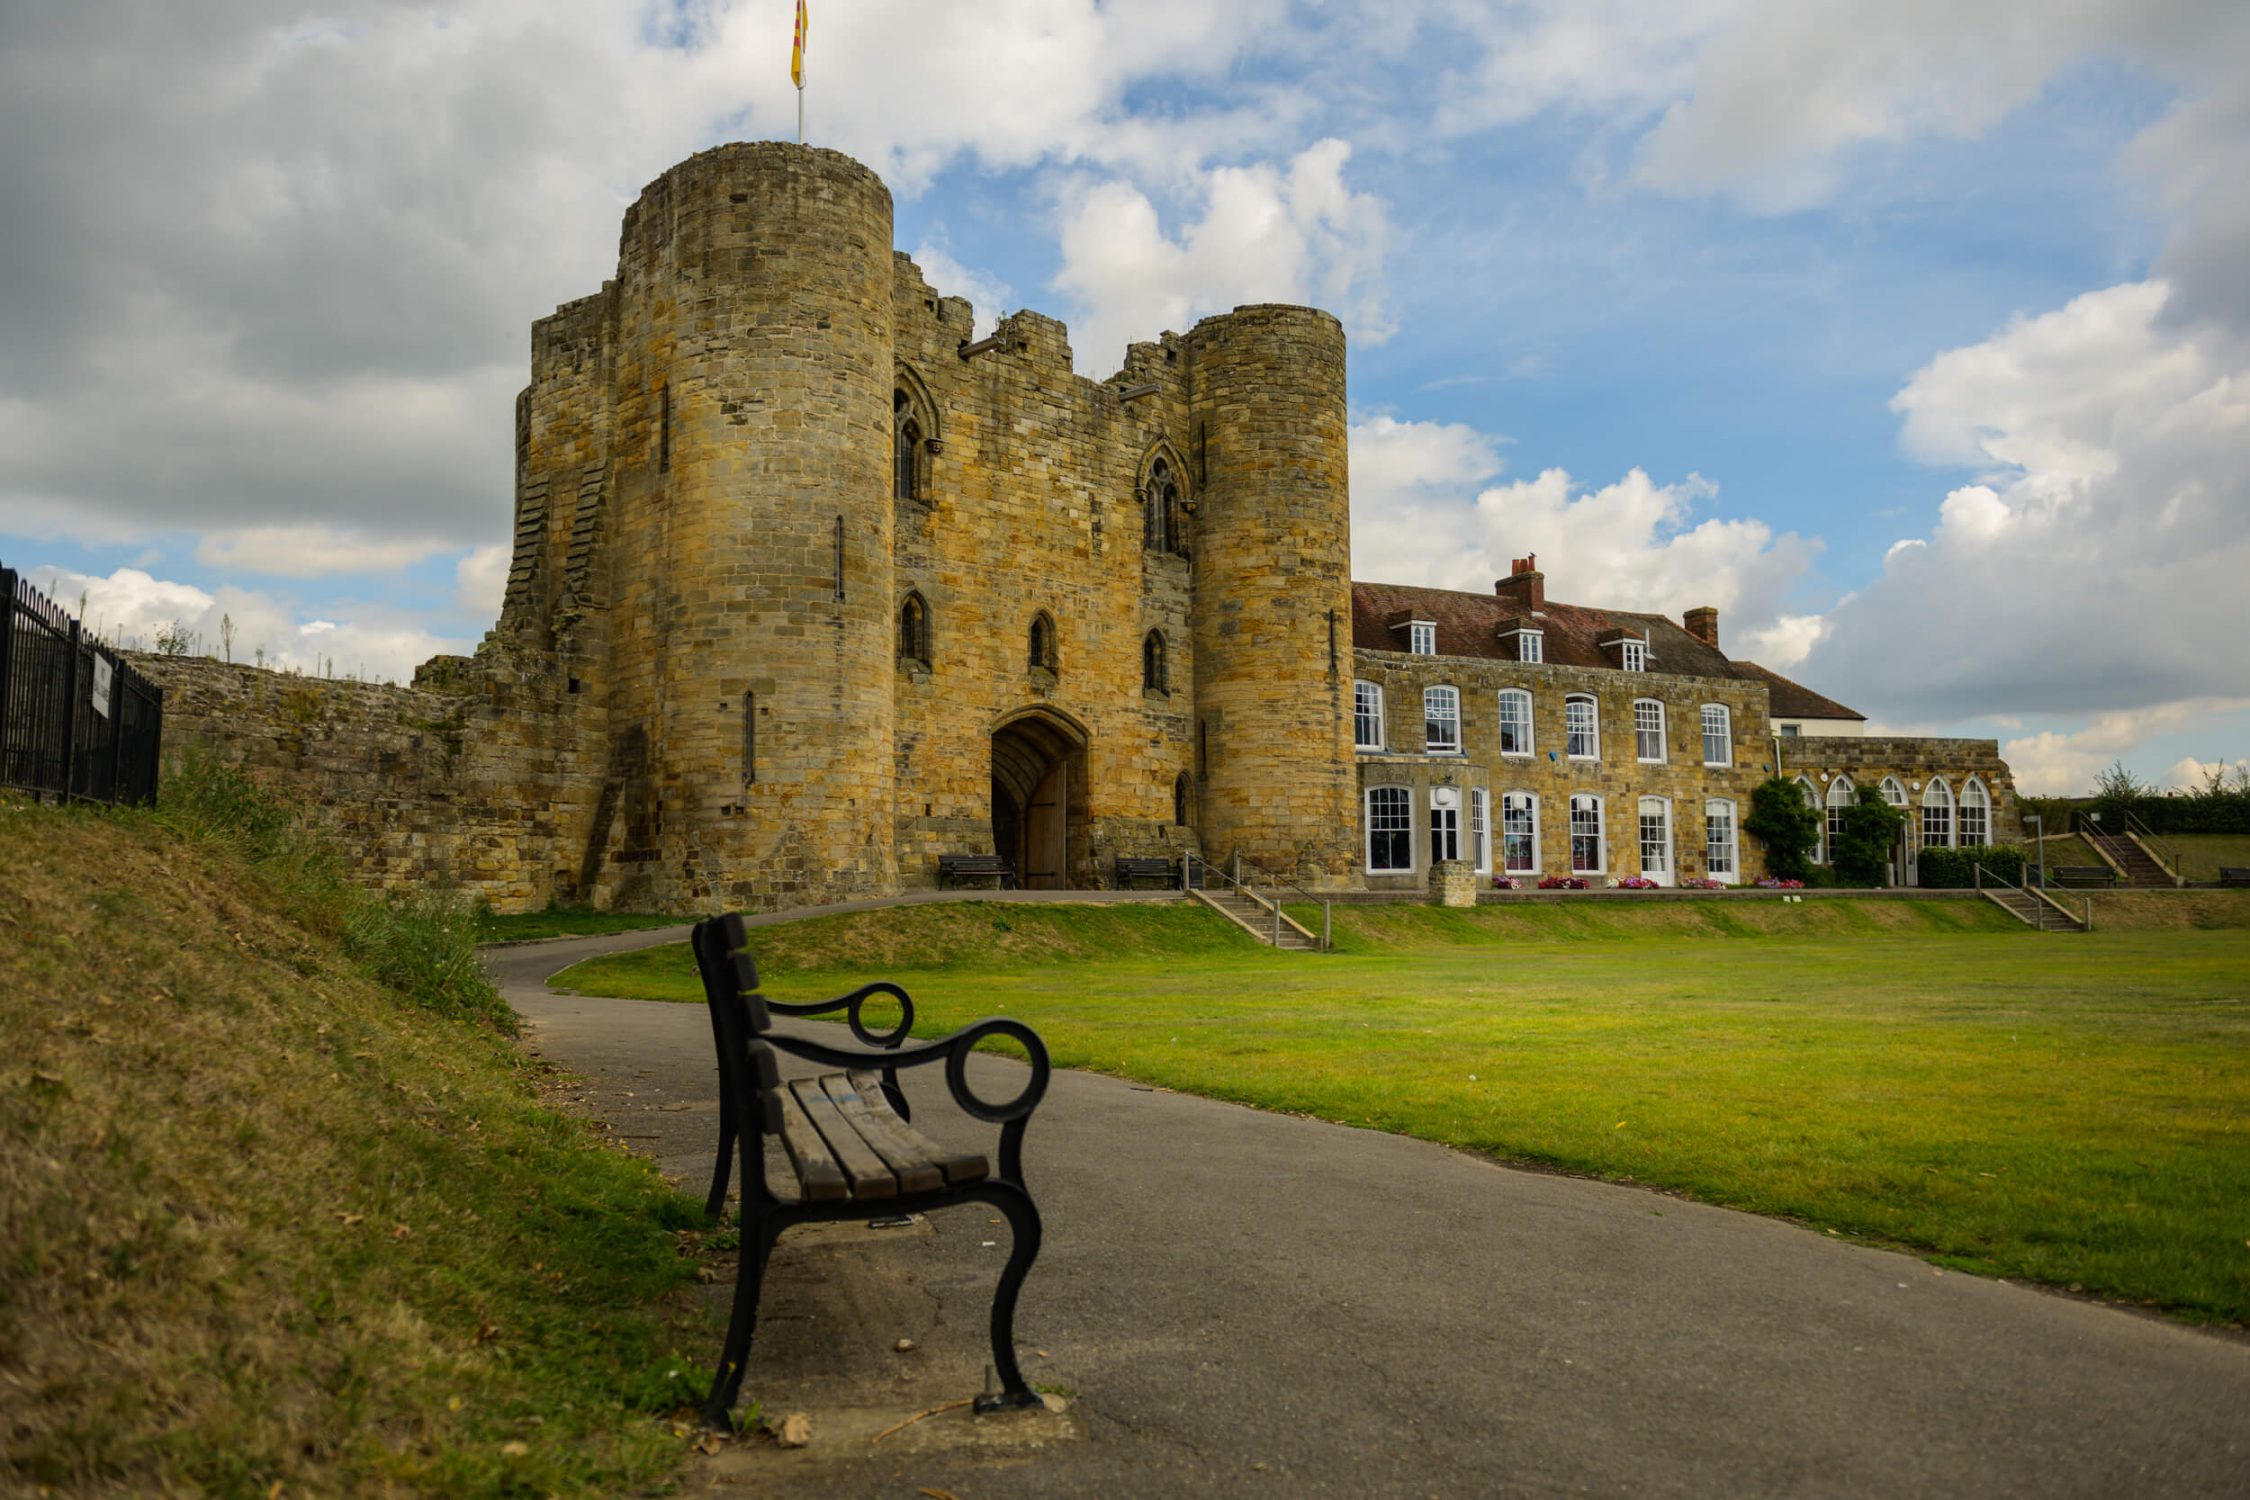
(749, 1073)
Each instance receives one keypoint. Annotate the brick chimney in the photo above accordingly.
(1703, 623)
(1527, 586)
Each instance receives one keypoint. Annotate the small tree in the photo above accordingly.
(1789, 826)
(1870, 832)
(173, 639)
(226, 636)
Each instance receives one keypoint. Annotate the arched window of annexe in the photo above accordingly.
(1937, 816)
(914, 631)
(914, 438)
(1819, 854)
(1155, 673)
(1043, 642)
(1841, 794)
(1975, 814)
(1163, 507)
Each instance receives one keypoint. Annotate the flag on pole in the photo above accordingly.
(797, 51)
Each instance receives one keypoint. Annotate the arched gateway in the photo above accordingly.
(1039, 797)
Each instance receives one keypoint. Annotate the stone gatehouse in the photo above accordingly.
(810, 586)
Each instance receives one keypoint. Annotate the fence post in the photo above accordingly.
(7, 661)
(70, 714)
(119, 685)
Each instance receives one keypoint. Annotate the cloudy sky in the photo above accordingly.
(1913, 335)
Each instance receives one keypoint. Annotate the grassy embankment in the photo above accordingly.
(2073, 1110)
(563, 921)
(280, 1212)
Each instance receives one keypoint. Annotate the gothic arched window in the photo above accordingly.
(1043, 642)
(1155, 675)
(913, 439)
(1183, 800)
(1164, 514)
(914, 631)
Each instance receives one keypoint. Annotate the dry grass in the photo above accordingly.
(264, 1223)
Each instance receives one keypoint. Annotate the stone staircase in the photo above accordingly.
(2132, 863)
(1256, 918)
(2031, 910)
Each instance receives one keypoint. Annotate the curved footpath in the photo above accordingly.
(1241, 1303)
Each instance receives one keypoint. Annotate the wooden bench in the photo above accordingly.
(952, 869)
(2234, 874)
(849, 1144)
(2084, 875)
(1131, 868)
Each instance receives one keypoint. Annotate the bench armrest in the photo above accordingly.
(1011, 1115)
(856, 1000)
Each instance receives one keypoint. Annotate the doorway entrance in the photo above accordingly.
(1039, 798)
(1656, 840)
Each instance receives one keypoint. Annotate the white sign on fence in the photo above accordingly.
(101, 684)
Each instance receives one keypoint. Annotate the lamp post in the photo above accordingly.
(2039, 838)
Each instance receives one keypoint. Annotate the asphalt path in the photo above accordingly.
(1231, 1302)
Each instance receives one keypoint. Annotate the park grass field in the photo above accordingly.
(2070, 1110)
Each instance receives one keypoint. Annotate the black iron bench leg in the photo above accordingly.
(1023, 1235)
(716, 1204)
(742, 1327)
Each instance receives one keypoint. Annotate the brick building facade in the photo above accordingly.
(810, 586)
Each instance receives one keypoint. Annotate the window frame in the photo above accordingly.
(1156, 664)
(1593, 727)
(1531, 646)
(1404, 797)
(1937, 797)
(1671, 867)
(1732, 874)
(1600, 835)
(1982, 803)
(1360, 715)
(1632, 656)
(1529, 745)
(1480, 827)
(1421, 638)
(1832, 811)
(1640, 732)
(1440, 692)
(1530, 804)
(1726, 733)
(1445, 830)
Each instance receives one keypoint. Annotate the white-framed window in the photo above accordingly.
(1519, 833)
(1894, 792)
(1841, 794)
(1582, 727)
(1656, 839)
(1976, 814)
(1648, 729)
(1937, 816)
(1791, 731)
(1441, 721)
(1587, 856)
(1718, 735)
(1635, 655)
(1421, 638)
(1720, 856)
(1811, 795)
(1367, 715)
(1390, 830)
(1480, 828)
(1445, 823)
(1531, 645)
(1515, 722)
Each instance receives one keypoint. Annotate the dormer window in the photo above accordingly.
(1421, 638)
(1531, 645)
(1636, 655)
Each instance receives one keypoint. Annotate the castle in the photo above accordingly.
(811, 586)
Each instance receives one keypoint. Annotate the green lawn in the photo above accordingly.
(563, 921)
(2074, 1110)
(2201, 854)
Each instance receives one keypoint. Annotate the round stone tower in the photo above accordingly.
(1272, 616)
(750, 701)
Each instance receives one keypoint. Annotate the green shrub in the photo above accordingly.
(1955, 869)
(1786, 824)
(1862, 853)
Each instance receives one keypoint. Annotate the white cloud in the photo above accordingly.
(481, 581)
(308, 550)
(1267, 234)
(1632, 544)
(987, 295)
(2064, 763)
(2187, 774)
(2098, 565)
(129, 607)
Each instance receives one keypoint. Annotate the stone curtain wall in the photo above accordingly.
(1618, 776)
(460, 788)
(1867, 760)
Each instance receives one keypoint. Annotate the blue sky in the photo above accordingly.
(1923, 358)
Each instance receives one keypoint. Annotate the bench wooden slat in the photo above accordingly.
(915, 1171)
(957, 1167)
(817, 1173)
(866, 1172)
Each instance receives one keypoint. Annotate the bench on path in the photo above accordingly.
(952, 869)
(1132, 867)
(2085, 875)
(2234, 874)
(849, 1143)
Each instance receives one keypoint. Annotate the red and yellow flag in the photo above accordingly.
(797, 49)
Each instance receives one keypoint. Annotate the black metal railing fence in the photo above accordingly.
(76, 721)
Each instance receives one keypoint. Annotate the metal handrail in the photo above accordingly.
(2036, 893)
(1191, 862)
(2168, 860)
